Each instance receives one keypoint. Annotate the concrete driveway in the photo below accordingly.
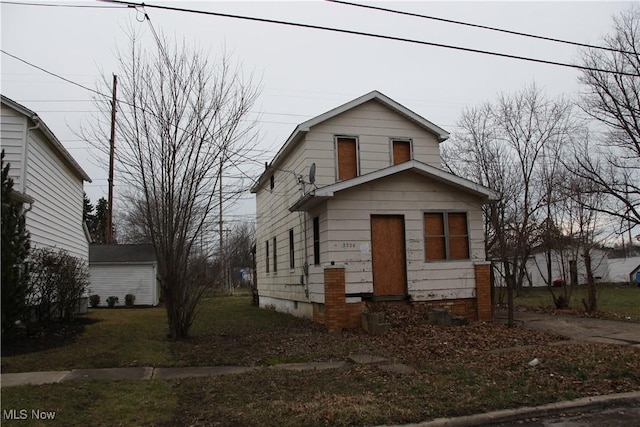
(578, 328)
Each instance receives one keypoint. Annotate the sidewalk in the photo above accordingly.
(578, 328)
(582, 329)
(631, 399)
(150, 373)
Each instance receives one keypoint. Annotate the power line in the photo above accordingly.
(85, 6)
(53, 74)
(484, 27)
(373, 35)
(238, 153)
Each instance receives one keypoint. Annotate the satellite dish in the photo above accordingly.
(312, 173)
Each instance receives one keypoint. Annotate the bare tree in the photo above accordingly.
(181, 120)
(503, 145)
(613, 99)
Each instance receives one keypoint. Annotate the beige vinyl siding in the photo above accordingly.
(122, 279)
(349, 215)
(274, 221)
(56, 216)
(374, 124)
(13, 128)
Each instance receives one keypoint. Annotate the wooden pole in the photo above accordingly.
(112, 140)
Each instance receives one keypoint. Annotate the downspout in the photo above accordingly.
(25, 158)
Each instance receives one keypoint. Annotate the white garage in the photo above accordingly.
(118, 270)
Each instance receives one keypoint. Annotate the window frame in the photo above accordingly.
(292, 252)
(275, 254)
(267, 255)
(400, 139)
(447, 235)
(336, 160)
(316, 240)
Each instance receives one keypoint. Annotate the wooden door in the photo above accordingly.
(388, 255)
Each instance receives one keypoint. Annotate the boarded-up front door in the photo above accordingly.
(389, 257)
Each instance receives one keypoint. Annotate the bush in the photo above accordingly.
(58, 282)
(112, 301)
(94, 300)
(15, 257)
(129, 299)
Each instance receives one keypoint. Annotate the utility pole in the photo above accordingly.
(221, 254)
(112, 146)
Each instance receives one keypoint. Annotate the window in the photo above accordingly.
(347, 153)
(316, 241)
(400, 150)
(275, 255)
(292, 256)
(446, 235)
(266, 251)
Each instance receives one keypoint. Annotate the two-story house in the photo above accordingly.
(47, 179)
(355, 207)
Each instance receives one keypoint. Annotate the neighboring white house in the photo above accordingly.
(563, 263)
(118, 270)
(47, 180)
(623, 270)
(355, 207)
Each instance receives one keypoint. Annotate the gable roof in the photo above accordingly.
(56, 145)
(311, 199)
(300, 130)
(131, 254)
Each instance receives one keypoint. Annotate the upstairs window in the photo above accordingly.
(446, 236)
(400, 150)
(347, 156)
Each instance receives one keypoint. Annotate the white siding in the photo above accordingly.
(537, 266)
(345, 235)
(120, 279)
(13, 127)
(374, 125)
(56, 216)
(349, 214)
(275, 220)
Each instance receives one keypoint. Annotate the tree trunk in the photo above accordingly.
(590, 304)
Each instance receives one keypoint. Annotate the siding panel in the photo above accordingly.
(120, 280)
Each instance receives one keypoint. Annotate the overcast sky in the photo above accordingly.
(304, 72)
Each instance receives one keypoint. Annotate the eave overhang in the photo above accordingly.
(317, 196)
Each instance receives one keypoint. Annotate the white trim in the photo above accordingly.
(400, 139)
(415, 165)
(335, 154)
(49, 135)
(311, 199)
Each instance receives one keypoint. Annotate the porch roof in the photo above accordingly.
(318, 195)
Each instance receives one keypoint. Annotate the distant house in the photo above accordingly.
(118, 270)
(563, 263)
(355, 207)
(47, 180)
(623, 270)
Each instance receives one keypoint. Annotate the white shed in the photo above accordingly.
(118, 270)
